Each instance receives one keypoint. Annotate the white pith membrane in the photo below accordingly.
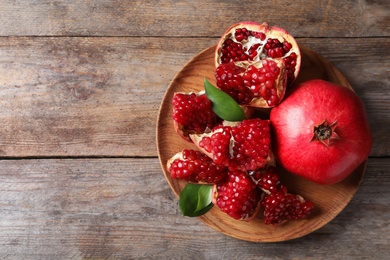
(252, 40)
(247, 44)
(191, 92)
(232, 141)
(178, 155)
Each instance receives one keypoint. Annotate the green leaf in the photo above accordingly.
(195, 200)
(204, 197)
(223, 104)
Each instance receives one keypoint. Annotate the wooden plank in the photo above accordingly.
(123, 208)
(85, 96)
(188, 18)
(99, 96)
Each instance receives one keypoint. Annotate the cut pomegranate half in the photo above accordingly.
(251, 41)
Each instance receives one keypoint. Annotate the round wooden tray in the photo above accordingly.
(329, 200)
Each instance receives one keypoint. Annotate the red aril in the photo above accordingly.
(321, 132)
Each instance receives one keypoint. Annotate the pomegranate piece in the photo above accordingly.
(251, 41)
(217, 144)
(192, 113)
(258, 84)
(196, 167)
(237, 196)
(241, 146)
(281, 206)
(252, 145)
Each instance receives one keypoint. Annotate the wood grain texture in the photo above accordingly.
(83, 79)
(123, 208)
(83, 96)
(191, 18)
(93, 96)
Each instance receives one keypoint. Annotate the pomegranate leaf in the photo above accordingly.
(204, 197)
(195, 200)
(223, 104)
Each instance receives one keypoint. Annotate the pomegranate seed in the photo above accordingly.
(241, 34)
(275, 49)
(287, 46)
(268, 180)
(259, 35)
(232, 51)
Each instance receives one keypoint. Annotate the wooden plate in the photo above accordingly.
(329, 200)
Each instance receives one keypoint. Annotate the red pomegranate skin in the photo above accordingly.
(307, 106)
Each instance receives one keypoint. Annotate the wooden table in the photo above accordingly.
(81, 83)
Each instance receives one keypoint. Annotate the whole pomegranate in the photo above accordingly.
(321, 132)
